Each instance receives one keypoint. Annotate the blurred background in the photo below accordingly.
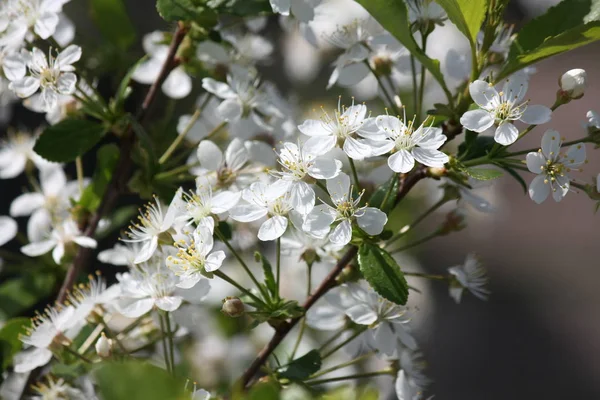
(538, 335)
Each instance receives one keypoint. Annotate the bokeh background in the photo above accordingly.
(538, 335)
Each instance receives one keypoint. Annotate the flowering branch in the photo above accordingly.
(123, 168)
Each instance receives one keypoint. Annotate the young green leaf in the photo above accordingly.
(106, 161)
(301, 368)
(393, 16)
(467, 15)
(483, 174)
(383, 273)
(179, 10)
(110, 16)
(69, 139)
(270, 283)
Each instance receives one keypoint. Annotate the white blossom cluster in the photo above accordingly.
(260, 175)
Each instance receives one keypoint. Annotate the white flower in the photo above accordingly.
(54, 76)
(200, 206)
(8, 229)
(471, 276)
(271, 200)
(178, 83)
(152, 222)
(342, 129)
(200, 394)
(16, 151)
(194, 259)
(103, 346)
(232, 169)
(57, 240)
(86, 297)
(53, 198)
(298, 166)
(573, 83)
(242, 97)
(500, 109)
(55, 389)
(345, 211)
(24, 17)
(387, 322)
(120, 254)
(552, 167)
(593, 119)
(407, 144)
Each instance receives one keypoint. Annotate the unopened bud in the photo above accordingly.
(573, 83)
(455, 221)
(104, 346)
(382, 65)
(310, 256)
(437, 172)
(233, 307)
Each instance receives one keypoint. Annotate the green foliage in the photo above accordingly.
(106, 161)
(564, 27)
(483, 174)
(379, 195)
(135, 380)
(270, 284)
(383, 273)
(9, 339)
(110, 16)
(393, 16)
(475, 146)
(20, 294)
(117, 104)
(302, 367)
(179, 10)
(263, 391)
(69, 139)
(467, 15)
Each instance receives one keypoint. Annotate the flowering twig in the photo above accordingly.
(122, 170)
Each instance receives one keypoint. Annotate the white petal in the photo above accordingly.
(209, 155)
(53, 180)
(372, 221)
(325, 168)
(230, 109)
(189, 281)
(217, 88)
(68, 56)
(515, 87)
(14, 66)
(14, 168)
(401, 161)
(430, 158)
(380, 147)
(575, 155)
(319, 220)
(50, 98)
(560, 188)
(236, 155)
(312, 127)
(178, 84)
(8, 229)
(355, 149)
(319, 145)
(45, 25)
(26, 203)
(25, 87)
(477, 120)
(391, 126)
(58, 252)
(429, 138)
(341, 234)
(214, 261)
(224, 201)
(31, 359)
(482, 92)
(362, 314)
(65, 30)
(506, 134)
(169, 303)
(302, 197)
(551, 143)
(535, 162)
(538, 190)
(339, 188)
(352, 74)
(536, 115)
(85, 241)
(355, 114)
(38, 248)
(386, 339)
(272, 228)
(135, 308)
(147, 71)
(247, 212)
(147, 250)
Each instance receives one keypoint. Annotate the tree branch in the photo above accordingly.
(123, 169)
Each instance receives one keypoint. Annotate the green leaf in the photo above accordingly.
(136, 380)
(301, 368)
(106, 161)
(467, 15)
(564, 27)
(263, 391)
(110, 16)
(69, 139)
(475, 146)
(517, 177)
(383, 273)
(180, 10)
(9, 339)
(483, 174)
(379, 195)
(270, 282)
(145, 140)
(20, 294)
(393, 16)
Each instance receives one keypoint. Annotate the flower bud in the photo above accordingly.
(233, 307)
(573, 83)
(104, 346)
(455, 221)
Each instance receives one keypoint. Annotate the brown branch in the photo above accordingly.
(123, 169)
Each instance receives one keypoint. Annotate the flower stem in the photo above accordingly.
(419, 105)
(343, 365)
(78, 355)
(227, 279)
(417, 221)
(182, 135)
(413, 70)
(303, 322)
(240, 260)
(345, 342)
(79, 167)
(417, 242)
(388, 371)
(388, 193)
(389, 98)
(278, 253)
(170, 340)
(163, 339)
(175, 171)
(354, 173)
(321, 185)
(427, 276)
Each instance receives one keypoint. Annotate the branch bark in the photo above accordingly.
(123, 169)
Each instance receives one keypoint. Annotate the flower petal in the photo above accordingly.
(341, 234)
(178, 84)
(325, 168)
(217, 88)
(575, 156)
(147, 250)
(272, 228)
(38, 248)
(135, 308)
(551, 143)
(356, 149)
(209, 155)
(230, 109)
(8, 229)
(214, 261)
(25, 87)
(26, 203)
(372, 221)
(482, 93)
(169, 303)
(515, 87)
(339, 188)
(535, 162)
(68, 56)
(224, 201)
(430, 158)
(319, 145)
(506, 134)
(402, 161)
(477, 120)
(318, 221)
(247, 212)
(538, 189)
(536, 114)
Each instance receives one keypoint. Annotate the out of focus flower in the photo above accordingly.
(573, 83)
(27, 17)
(16, 151)
(8, 229)
(553, 168)
(103, 346)
(471, 276)
(57, 389)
